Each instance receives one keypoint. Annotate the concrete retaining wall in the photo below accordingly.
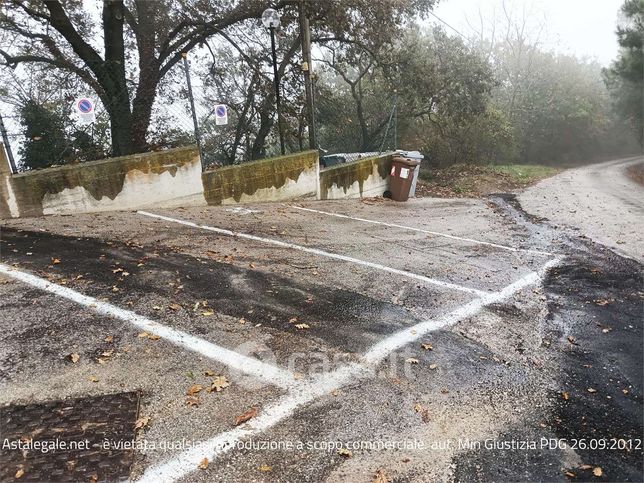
(275, 179)
(164, 178)
(366, 177)
(174, 178)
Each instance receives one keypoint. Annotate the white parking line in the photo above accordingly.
(186, 462)
(235, 360)
(429, 232)
(315, 251)
(382, 349)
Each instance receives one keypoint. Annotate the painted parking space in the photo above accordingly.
(161, 279)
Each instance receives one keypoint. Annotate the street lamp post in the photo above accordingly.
(271, 20)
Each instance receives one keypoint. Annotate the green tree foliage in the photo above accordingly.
(442, 89)
(45, 141)
(136, 44)
(625, 77)
(50, 138)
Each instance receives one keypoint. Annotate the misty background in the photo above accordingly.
(476, 82)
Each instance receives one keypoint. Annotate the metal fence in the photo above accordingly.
(58, 138)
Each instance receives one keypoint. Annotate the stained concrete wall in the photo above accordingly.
(174, 178)
(275, 179)
(163, 178)
(365, 177)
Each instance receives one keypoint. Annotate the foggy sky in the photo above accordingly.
(585, 28)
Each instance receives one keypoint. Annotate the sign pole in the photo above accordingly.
(278, 100)
(305, 34)
(186, 68)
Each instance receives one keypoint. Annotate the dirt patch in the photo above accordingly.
(473, 181)
(636, 173)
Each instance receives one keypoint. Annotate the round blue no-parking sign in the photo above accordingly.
(85, 106)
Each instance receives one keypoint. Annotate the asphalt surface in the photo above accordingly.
(379, 335)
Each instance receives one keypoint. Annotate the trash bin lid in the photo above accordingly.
(406, 161)
(410, 154)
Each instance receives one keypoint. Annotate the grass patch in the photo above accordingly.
(466, 180)
(525, 173)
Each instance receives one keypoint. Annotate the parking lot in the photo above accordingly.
(290, 342)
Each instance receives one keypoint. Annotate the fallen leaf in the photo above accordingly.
(19, 473)
(74, 357)
(380, 477)
(423, 411)
(109, 339)
(141, 422)
(592, 390)
(411, 360)
(302, 326)
(292, 320)
(565, 396)
(248, 415)
(569, 474)
(433, 366)
(93, 378)
(265, 468)
(147, 335)
(585, 467)
(345, 452)
(55, 261)
(194, 389)
(208, 373)
(219, 383)
(203, 464)
(242, 321)
(606, 330)
(597, 471)
(193, 401)
(174, 306)
(427, 346)
(207, 313)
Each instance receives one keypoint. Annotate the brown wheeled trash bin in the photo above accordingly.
(402, 175)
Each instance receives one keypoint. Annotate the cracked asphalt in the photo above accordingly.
(560, 359)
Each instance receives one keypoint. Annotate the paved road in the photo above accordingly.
(600, 200)
(434, 340)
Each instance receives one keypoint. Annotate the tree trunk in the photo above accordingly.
(142, 109)
(258, 150)
(149, 74)
(121, 125)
